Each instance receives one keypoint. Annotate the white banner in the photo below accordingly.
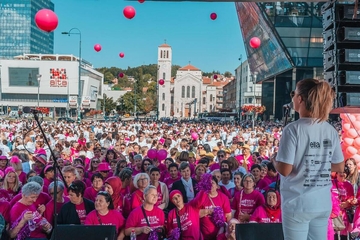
(86, 101)
(73, 101)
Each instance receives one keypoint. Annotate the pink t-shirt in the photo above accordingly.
(5, 210)
(113, 217)
(90, 193)
(49, 212)
(80, 209)
(46, 185)
(260, 216)
(214, 166)
(135, 171)
(189, 219)
(22, 178)
(170, 181)
(249, 202)
(207, 226)
(137, 199)
(240, 159)
(17, 210)
(4, 196)
(42, 199)
(264, 183)
(136, 218)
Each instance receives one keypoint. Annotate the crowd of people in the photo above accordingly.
(213, 177)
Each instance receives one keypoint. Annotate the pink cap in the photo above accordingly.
(173, 193)
(103, 167)
(15, 159)
(8, 170)
(3, 158)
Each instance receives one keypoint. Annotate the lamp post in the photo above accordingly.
(157, 93)
(68, 99)
(254, 84)
(38, 76)
(241, 67)
(79, 77)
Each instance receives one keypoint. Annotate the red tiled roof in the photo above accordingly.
(164, 45)
(206, 80)
(189, 68)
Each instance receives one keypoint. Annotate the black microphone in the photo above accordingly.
(30, 110)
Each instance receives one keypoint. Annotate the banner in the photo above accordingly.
(58, 77)
(86, 102)
(73, 101)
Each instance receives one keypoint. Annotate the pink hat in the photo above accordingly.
(80, 166)
(48, 167)
(41, 158)
(41, 151)
(104, 167)
(3, 158)
(15, 159)
(173, 193)
(8, 170)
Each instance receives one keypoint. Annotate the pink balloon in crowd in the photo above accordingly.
(194, 136)
(161, 82)
(46, 20)
(121, 75)
(215, 76)
(97, 47)
(121, 55)
(129, 12)
(161, 154)
(152, 153)
(213, 16)
(141, 1)
(255, 42)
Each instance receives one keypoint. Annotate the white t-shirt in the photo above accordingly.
(310, 148)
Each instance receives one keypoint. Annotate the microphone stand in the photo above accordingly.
(56, 167)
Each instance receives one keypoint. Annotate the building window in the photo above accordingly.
(204, 100)
(188, 92)
(164, 76)
(167, 54)
(161, 52)
(193, 92)
(211, 97)
(172, 100)
(163, 96)
(183, 91)
(250, 100)
(163, 107)
(210, 108)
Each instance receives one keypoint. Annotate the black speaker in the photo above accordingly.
(93, 232)
(256, 231)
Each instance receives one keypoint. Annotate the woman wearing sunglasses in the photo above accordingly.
(309, 151)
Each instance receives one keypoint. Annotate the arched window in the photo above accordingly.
(210, 97)
(193, 92)
(204, 100)
(161, 52)
(163, 107)
(183, 91)
(163, 96)
(167, 54)
(188, 92)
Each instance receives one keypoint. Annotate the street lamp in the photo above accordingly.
(254, 84)
(68, 98)
(38, 76)
(79, 77)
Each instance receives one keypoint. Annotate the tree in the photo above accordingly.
(227, 74)
(128, 102)
(109, 104)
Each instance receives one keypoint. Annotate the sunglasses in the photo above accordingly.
(292, 94)
(52, 192)
(221, 156)
(95, 161)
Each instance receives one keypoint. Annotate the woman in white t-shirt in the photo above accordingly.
(309, 151)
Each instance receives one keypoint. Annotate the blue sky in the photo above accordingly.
(187, 28)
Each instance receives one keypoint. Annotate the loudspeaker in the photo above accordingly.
(93, 232)
(256, 231)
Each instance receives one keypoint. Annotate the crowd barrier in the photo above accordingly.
(71, 232)
(256, 231)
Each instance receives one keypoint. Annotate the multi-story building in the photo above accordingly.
(49, 81)
(18, 31)
(291, 47)
(188, 93)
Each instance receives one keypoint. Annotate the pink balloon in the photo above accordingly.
(356, 142)
(97, 47)
(213, 16)
(141, 1)
(347, 117)
(348, 141)
(346, 126)
(161, 82)
(352, 133)
(129, 12)
(194, 136)
(356, 157)
(121, 54)
(152, 153)
(161, 154)
(255, 42)
(121, 75)
(215, 76)
(351, 150)
(46, 20)
(356, 125)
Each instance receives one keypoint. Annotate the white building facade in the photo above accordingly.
(49, 81)
(188, 93)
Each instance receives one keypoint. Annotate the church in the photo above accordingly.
(188, 93)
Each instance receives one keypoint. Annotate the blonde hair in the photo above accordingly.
(17, 184)
(352, 178)
(72, 170)
(318, 97)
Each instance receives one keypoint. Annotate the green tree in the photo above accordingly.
(110, 104)
(128, 102)
(227, 74)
